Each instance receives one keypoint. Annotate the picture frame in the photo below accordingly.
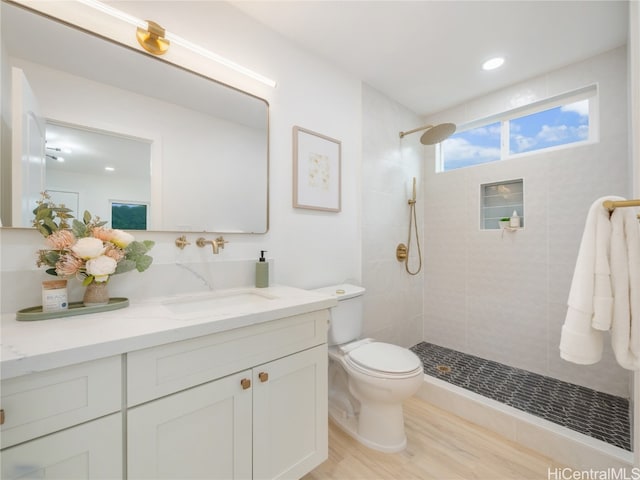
(317, 175)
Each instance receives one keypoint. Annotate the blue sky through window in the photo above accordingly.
(472, 147)
(548, 128)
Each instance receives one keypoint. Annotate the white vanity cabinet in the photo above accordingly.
(148, 393)
(246, 403)
(63, 423)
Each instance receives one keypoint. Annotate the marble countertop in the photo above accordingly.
(33, 346)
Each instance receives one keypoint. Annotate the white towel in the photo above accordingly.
(625, 280)
(590, 298)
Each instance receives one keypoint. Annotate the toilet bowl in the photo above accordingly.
(379, 377)
(368, 380)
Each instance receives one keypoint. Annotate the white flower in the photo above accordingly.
(88, 247)
(121, 238)
(101, 267)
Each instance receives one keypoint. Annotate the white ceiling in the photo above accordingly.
(427, 55)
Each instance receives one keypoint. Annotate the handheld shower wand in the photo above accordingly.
(402, 251)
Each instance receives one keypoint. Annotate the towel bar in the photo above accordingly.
(612, 205)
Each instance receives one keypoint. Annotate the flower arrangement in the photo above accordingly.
(85, 249)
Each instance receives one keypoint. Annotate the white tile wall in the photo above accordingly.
(393, 300)
(503, 297)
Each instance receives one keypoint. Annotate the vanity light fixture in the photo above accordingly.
(152, 33)
(152, 39)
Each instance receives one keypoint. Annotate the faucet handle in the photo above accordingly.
(181, 242)
(220, 241)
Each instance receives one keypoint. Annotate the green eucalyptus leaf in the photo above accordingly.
(42, 213)
(51, 271)
(88, 279)
(86, 217)
(136, 248)
(51, 257)
(78, 228)
(61, 209)
(49, 224)
(143, 262)
(125, 265)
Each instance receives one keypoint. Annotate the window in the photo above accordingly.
(129, 215)
(472, 147)
(559, 121)
(550, 128)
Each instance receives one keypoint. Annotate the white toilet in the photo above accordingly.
(368, 380)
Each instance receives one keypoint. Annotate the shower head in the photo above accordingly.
(434, 133)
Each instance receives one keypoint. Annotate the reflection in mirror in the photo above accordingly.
(192, 151)
(91, 170)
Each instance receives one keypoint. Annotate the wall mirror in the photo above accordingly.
(106, 127)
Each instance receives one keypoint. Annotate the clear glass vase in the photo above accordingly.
(96, 293)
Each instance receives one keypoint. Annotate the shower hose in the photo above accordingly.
(413, 221)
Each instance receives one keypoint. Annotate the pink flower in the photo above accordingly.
(119, 238)
(69, 265)
(60, 240)
(115, 253)
(101, 233)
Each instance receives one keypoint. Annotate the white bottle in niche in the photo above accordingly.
(514, 221)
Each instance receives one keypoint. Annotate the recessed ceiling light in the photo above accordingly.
(493, 63)
(109, 169)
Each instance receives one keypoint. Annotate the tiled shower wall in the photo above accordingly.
(393, 300)
(503, 297)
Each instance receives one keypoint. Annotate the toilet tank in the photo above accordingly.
(346, 317)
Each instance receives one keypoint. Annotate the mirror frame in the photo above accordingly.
(182, 68)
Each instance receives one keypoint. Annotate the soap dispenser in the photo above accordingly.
(262, 271)
(514, 221)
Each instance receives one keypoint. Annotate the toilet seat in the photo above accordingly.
(383, 360)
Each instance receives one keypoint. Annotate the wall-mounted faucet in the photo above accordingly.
(215, 244)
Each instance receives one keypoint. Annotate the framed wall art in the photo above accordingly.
(316, 171)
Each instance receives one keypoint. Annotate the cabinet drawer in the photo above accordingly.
(89, 451)
(44, 402)
(159, 371)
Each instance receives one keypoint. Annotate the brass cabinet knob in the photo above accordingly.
(246, 383)
(263, 376)
(1, 416)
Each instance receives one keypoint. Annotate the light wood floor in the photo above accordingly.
(440, 446)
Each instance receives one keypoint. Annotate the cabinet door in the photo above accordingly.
(203, 432)
(290, 415)
(89, 451)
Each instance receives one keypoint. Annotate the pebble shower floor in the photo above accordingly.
(599, 415)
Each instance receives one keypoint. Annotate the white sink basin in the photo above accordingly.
(237, 301)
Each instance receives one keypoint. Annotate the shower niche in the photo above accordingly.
(499, 200)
